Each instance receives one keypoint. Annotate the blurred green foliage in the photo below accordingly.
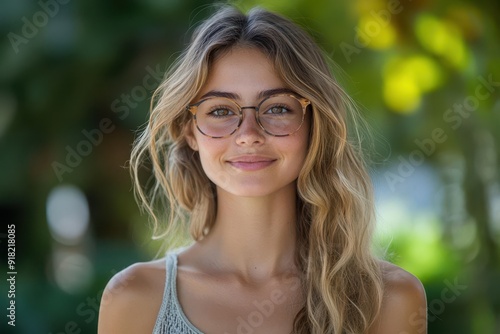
(426, 73)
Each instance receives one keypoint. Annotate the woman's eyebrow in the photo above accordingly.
(234, 96)
(216, 93)
(269, 92)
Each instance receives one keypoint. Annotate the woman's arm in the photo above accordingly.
(404, 307)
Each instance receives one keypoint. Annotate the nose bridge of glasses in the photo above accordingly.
(254, 108)
(250, 107)
(255, 118)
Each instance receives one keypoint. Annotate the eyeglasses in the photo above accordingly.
(278, 115)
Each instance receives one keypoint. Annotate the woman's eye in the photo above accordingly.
(278, 110)
(221, 112)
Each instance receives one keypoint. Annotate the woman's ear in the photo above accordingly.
(190, 138)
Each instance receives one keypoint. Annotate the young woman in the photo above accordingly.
(249, 140)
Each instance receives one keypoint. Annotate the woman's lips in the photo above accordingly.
(251, 163)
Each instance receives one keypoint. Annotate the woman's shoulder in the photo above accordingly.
(396, 278)
(132, 298)
(140, 277)
(404, 305)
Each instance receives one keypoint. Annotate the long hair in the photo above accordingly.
(341, 278)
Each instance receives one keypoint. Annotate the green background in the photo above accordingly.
(419, 69)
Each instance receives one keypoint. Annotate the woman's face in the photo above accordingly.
(250, 162)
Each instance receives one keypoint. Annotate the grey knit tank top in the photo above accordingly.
(171, 319)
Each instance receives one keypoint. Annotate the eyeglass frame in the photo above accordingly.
(193, 108)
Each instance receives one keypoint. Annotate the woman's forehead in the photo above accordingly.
(242, 71)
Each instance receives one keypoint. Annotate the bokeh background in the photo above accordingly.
(76, 79)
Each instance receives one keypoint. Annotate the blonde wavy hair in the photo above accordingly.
(341, 277)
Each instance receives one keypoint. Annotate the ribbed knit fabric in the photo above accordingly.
(171, 319)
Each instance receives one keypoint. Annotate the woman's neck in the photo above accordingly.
(254, 237)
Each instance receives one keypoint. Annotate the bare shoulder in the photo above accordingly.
(404, 306)
(132, 299)
(399, 282)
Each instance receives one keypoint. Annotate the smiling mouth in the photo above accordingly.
(251, 164)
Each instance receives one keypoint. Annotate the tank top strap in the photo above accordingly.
(170, 318)
(171, 271)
